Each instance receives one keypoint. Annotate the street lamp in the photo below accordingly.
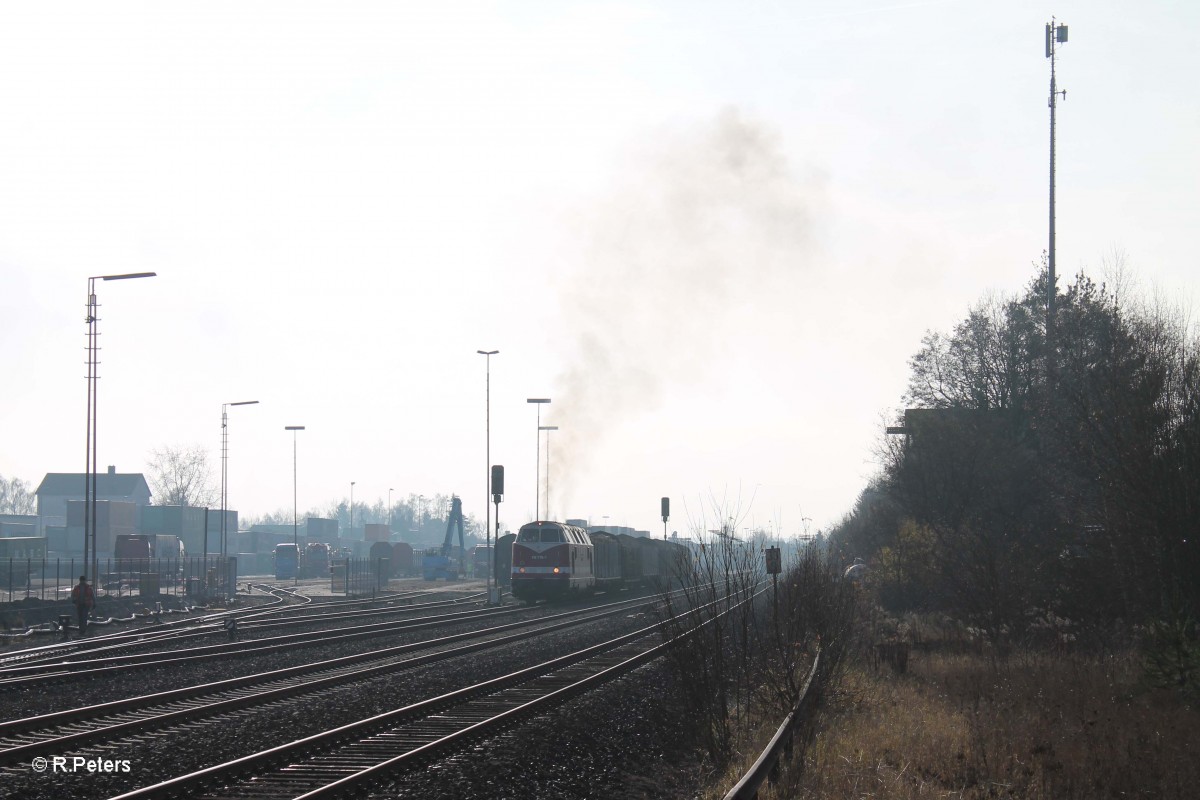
(352, 508)
(93, 374)
(537, 459)
(487, 511)
(225, 468)
(389, 513)
(547, 429)
(295, 517)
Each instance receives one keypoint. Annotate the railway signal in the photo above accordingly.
(497, 496)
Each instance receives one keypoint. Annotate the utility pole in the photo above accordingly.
(487, 354)
(1055, 34)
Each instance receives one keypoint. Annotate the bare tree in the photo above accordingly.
(15, 497)
(743, 645)
(181, 476)
(716, 665)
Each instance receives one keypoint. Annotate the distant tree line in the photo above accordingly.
(416, 518)
(1039, 475)
(181, 475)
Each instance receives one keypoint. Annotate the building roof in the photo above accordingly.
(112, 484)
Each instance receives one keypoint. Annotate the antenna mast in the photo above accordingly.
(1055, 34)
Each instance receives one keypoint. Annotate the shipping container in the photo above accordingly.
(113, 518)
(319, 529)
(402, 559)
(376, 532)
(23, 547)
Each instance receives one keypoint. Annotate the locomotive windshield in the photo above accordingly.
(535, 533)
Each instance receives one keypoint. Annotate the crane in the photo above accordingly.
(439, 565)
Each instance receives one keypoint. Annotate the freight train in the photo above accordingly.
(551, 560)
(504, 552)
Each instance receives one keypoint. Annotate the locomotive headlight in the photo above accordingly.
(556, 570)
(522, 569)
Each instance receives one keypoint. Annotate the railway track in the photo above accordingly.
(395, 605)
(345, 759)
(53, 666)
(64, 731)
(171, 629)
(278, 613)
(98, 667)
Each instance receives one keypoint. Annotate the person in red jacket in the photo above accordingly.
(85, 600)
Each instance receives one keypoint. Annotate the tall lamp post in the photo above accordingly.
(487, 511)
(93, 374)
(352, 507)
(225, 469)
(547, 429)
(389, 513)
(537, 459)
(295, 505)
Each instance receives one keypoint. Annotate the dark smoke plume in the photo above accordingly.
(706, 224)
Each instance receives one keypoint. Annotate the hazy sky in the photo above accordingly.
(712, 233)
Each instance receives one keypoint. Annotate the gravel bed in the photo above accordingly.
(117, 609)
(628, 740)
(71, 692)
(153, 758)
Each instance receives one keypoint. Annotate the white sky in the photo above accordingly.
(712, 232)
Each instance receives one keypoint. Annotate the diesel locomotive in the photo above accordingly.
(551, 560)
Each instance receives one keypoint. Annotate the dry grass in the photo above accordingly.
(1033, 726)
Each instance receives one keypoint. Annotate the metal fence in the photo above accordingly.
(358, 577)
(52, 579)
(767, 765)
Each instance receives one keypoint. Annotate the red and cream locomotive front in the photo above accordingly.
(550, 560)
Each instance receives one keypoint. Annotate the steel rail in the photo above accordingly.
(210, 625)
(765, 766)
(56, 670)
(222, 773)
(180, 628)
(477, 723)
(270, 644)
(164, 709)
(364, 613)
